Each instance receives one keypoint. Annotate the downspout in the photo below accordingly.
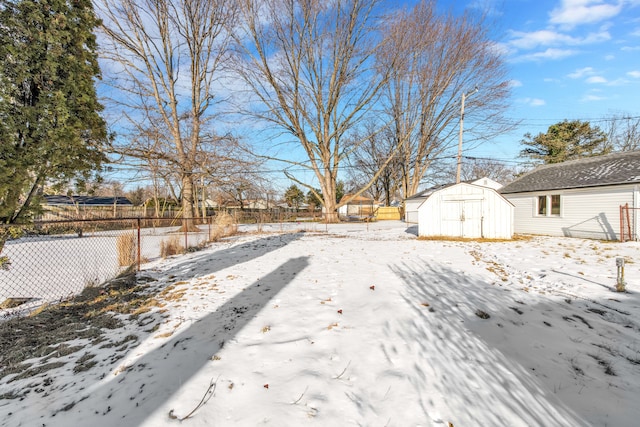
(636, 217)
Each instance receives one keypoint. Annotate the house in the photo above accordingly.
(61, 207)
(411, 204)
(359, 207)
(578, 198)
(96, 201)
(466, 210)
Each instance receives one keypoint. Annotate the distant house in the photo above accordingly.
(58, 207)
(60, 200)
(466, 210)
(578, 198)
(358, 207)
(411, 204)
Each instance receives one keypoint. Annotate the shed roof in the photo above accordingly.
(612, 169)
(86, 200)
(429, 191)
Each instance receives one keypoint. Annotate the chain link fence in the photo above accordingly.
(48, 262)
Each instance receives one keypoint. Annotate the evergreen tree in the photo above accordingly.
(294, 196)
(50, 129)
(567, 140)
(314, 199)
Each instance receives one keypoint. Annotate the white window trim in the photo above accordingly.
(548, 214)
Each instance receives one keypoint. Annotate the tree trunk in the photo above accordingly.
(331, 213)
(188, 213)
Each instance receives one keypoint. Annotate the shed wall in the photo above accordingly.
(411, 210)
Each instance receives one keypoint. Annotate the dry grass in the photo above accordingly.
(171, 247)
(516, 237)
(126, 245)
(48, 332)
(224, 225)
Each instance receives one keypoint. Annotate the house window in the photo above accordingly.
(542, 205)
(555, 204)
(549, 205)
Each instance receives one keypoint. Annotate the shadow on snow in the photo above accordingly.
(167, 368)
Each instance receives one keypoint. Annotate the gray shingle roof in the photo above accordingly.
(86, 200)
(426, 193)
(612, 169)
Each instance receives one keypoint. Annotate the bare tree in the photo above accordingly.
(165, 56)
(442, 58)
(308, 65)
(475, 168)
(623, 132)
(149, 152)
(370, 157)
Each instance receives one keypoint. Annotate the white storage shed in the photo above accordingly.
(411, 204)
(468, 211)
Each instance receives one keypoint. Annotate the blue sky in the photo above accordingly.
(568, 59)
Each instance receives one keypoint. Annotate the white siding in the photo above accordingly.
(466, 210)
(592, 213)
(411, 210)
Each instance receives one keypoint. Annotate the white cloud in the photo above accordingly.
(581, 72)
(575, 12)
(523, 40)
(592, 98)
(533, 102)
(596, 79)
(609, 57)
(490, 7)
(635, 74)
(618, 82)
(502, 49)
(550, 53)
(630, 48)
(515, 83)
(530, 40)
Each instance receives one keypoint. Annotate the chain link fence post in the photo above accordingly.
(139, 244)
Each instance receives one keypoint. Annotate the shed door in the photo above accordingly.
(462, 218)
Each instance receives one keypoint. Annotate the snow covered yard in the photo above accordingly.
(356, 324)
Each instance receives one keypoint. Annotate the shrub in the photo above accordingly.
(171, 247)
(223, 226)
(126, 244)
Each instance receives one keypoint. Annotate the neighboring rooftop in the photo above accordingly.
(482, 182)
(612, 169)
(429, 191)
(358, 199)
(61, 200)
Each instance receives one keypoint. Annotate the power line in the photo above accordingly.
(556, 120)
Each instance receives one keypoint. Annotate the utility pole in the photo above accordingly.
(459, 168)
